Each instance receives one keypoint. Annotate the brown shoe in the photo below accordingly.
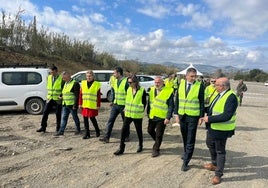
(210, 167)
(216, 180)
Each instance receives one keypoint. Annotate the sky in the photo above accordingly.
(209, 32)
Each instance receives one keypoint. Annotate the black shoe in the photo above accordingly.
(97, 134)
(104, 140)
(139, 149)
(58, 134)
(87, 136)
(41, 130)
(184, 167)
(155, 153)
(120, 151)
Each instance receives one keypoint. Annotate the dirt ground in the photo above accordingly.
(31, 159)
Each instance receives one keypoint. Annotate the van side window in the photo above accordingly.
(12, 78)
(21, 78)
(33, 78)
(101, 77)
(80, 77)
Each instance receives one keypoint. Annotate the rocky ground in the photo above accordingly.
(31, 159)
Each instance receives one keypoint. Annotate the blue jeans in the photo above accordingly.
(115, 111)
(64, 118)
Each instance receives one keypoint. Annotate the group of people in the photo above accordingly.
(190, 102)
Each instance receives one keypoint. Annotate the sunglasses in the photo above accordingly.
(212, 81)
(130, 82)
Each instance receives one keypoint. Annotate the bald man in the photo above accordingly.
(220, 118)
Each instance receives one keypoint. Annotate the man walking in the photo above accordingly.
(54, 88)
(221, 117)
(159, 109)
(70, 97)
(189, 107)
(118, 104)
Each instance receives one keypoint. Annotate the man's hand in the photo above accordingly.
(200, 121)
(166, 121)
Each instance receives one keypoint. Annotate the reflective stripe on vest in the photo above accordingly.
(120, 92)
(134, 107)
(54, 90)
(68, 96)
(89, 95)
(217, 109)
(189, 105)
(158, 104)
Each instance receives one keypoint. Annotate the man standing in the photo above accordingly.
(221, 117)
(118, 104)
(160, 108)
(240, 89)
(189, 107)
(70, 97)
(54, 88)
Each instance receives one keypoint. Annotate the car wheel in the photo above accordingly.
(34, 106)
(109, 96)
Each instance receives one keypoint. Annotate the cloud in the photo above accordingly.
(246, 18)
(253, 55)
(198, 19)
(155, 11)
(214, 43)
(185, 42)
(96, 17)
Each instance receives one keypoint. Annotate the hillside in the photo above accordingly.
(8, 57)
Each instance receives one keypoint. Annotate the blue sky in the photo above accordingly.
(213, 32)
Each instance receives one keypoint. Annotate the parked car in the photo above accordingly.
(266, 83)
(103, 76)
(146, 81)
(23, 89)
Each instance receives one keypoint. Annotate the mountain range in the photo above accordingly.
(205, 69)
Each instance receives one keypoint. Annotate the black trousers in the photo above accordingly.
(156, 129)
(48, 108)
(217, 152)
(188, 127)
(126, 128)
(94, 123)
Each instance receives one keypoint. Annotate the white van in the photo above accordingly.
(23, 89)
(103, 76)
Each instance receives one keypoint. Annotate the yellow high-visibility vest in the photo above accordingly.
(68, 96)
(217, 109)
(89, 95)
(120, 92)
(210, 94)
(158, 104)
(133, 106)
(169, 83)
(112, 81)
(189, 104)
(54, 90)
